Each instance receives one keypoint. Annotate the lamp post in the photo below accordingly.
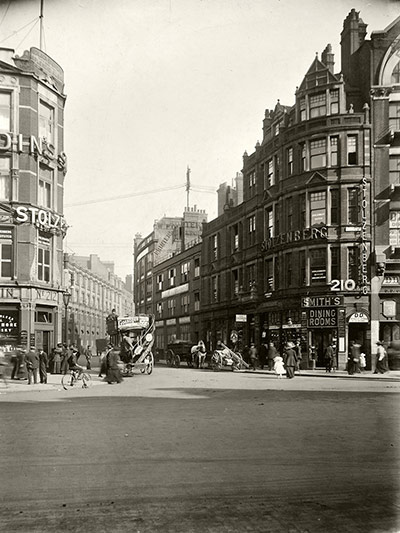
(66, 299)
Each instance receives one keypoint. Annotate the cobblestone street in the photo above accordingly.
(194, 451)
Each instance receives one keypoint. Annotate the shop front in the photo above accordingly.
(323, 320)
(30, 317)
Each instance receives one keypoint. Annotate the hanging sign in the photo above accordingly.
(359, 318)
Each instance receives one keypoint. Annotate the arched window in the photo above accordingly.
(396, 73)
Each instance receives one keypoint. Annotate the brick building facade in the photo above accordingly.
(32, 173)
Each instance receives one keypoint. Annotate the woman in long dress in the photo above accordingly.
(290, 360)
(381, 359)
(113, 371)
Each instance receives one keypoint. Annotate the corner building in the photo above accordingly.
(32, 173)
(301, 257)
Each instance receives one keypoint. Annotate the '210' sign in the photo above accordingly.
(343, 285)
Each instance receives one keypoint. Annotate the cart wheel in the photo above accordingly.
(177, 361)
(150, 364)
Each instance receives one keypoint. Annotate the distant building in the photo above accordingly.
(32, 174)
(95, 291)
(230, 195)
(176, 298)
(170, 236)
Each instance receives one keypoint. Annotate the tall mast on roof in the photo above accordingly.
(41, 24)
(187, 185)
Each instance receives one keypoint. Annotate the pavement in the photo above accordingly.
(54, 380)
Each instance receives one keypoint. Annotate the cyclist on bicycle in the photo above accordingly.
(73, 362)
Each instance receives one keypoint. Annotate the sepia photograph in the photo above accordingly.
(200, 266)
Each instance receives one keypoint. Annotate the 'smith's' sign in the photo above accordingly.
(294, 236)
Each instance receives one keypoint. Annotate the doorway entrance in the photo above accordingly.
(321, 338)
(43, 341)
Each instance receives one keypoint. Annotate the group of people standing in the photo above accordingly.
(30, 365)
(34, 365)
(289, 361)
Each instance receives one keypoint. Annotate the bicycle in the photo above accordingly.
(74, 378)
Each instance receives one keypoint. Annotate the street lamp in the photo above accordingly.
(66, 299)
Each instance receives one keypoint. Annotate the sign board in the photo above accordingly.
(389, 308)
(321, 301)
(359, 318)
(325, 317)
(133, 322)
(241, 318)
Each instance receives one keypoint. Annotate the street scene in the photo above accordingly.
(196, 450)
(200, 266)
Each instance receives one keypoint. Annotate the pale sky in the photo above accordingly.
(156, 85)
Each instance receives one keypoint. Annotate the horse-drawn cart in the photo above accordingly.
(179, 351)
(134, 337)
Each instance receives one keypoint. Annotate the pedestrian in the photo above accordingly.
(334, 358)
(271, 354)
(3, 367)
(103, 360)
(312, 356)
(290, 360)
(279, 369)
(32, 366)
(381, 359)
(88, 355)
(299, 355)
(328, 357)
(253, 354)
(363, 361)
(43, 362)
(263, 355)
(113, 371)
(19, 367)
(355, 356)
(65, 353)
(57, 356)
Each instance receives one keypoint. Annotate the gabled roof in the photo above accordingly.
(317, 75)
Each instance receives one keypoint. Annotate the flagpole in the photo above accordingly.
(41, 24)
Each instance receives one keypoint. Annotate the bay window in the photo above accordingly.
(318, 153)
(5, 112)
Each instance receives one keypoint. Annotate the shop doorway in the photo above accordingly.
(321, 338)
(43, 341)
(358, 333)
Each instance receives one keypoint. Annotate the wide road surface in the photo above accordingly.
(186, 450)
